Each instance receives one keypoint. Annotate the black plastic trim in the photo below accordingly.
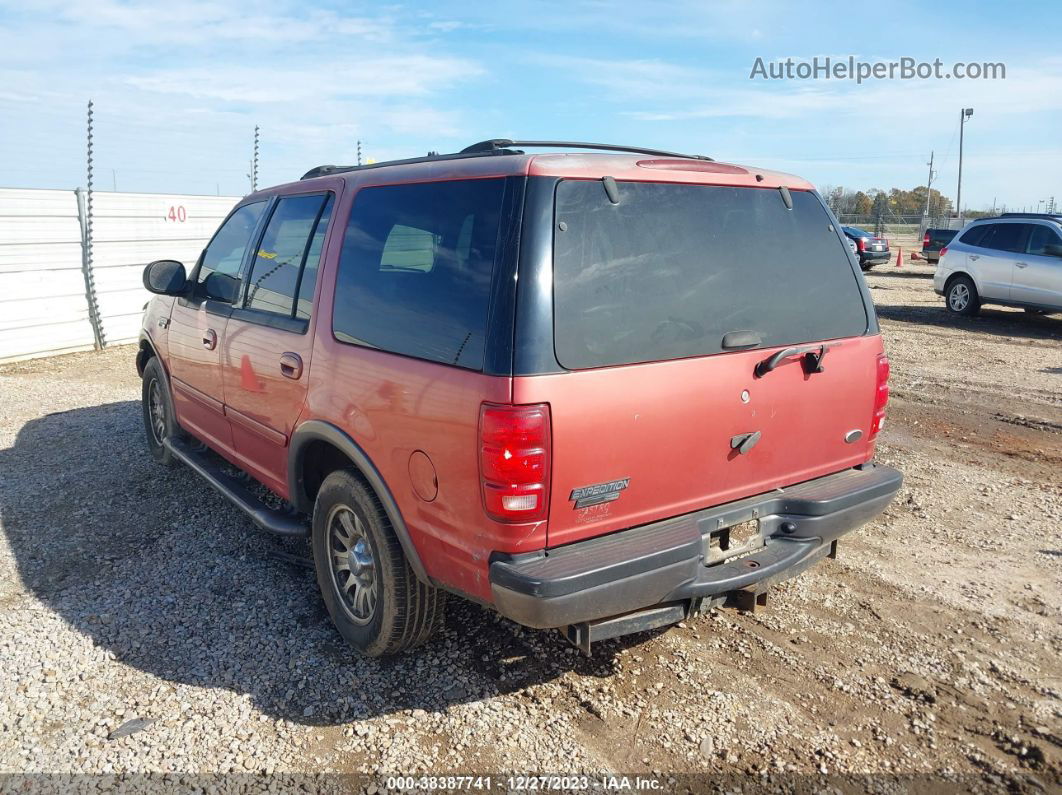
(501, 314)
(533, 350)
(661, 562)
(317, 430)
(261, 317)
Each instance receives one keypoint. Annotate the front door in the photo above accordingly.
(267, 344)
(197, 325)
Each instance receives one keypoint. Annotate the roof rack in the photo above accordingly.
(1049, 216)
(495, 146)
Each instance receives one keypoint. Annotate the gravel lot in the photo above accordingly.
(929, 651)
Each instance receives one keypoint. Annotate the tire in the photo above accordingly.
(371, 593)
(866, 266)
(960, 296)
(157, 405)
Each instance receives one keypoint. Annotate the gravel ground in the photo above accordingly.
(146, 627)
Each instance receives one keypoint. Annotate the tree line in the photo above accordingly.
(879, 203)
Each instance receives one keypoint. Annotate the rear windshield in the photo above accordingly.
(671, 269)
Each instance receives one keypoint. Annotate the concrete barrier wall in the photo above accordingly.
(44, 293)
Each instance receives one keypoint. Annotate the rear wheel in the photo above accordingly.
(159, 421)
(374, 598)
(961, 296)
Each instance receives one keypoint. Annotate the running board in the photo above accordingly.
(271, 519)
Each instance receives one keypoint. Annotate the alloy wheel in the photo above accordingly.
(959, 297)
(352, 564)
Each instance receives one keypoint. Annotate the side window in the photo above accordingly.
(219, 269)
(308, 282)
(1006, 237)
(1039, 238)
(274, 279)
(976, 235)
(416, 268)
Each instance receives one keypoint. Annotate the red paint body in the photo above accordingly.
(664, 425)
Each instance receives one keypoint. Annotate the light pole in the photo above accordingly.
(964, 114)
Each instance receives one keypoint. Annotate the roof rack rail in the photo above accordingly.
(1049, 216)
(496, 144)
(431, 157)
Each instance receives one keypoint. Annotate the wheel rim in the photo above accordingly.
(157, 410)
(352, 564)
(960, 297)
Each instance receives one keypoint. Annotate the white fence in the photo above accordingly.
(57, 270)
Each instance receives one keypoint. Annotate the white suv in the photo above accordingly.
(1014, 260)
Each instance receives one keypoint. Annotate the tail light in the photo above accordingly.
(514, 461)
(943, 251)
(881, 396)
(925, 240)
(861, 243)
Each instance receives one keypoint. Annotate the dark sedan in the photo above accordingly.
(870, 249)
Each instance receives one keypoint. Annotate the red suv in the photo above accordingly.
(595, 391)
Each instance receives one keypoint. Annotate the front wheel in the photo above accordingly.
(159, 420)
(961, 296)
(374, 598)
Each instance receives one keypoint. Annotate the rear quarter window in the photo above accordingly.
(671, 269)
(416, 268)
(974, 235)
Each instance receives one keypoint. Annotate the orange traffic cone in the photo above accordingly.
(899, 258)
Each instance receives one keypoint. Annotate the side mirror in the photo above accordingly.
(165, 277)
(1053, 249)
(221, 287)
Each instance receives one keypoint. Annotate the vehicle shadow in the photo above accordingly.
(897, 273)
(154, 566)
(1000, 322)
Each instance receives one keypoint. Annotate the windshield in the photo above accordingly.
(671, 269)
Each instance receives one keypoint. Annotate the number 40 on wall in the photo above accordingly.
(177, 214)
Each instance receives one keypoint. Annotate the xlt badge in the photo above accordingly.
(585, 496)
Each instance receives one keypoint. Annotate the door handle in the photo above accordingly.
(291, 365)
(1022, 264)
(210, 339)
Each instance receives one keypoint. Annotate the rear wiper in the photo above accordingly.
(813, 356)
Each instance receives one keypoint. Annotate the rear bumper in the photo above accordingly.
(874, 257)
(663, 562)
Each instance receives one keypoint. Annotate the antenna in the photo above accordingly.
(359, 151)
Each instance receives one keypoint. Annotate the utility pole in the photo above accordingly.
(929, 189)
(964, 114)
(359, 151)
(254, 162)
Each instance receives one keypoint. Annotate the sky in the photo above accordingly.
(178, 88)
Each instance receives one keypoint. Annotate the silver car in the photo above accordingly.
(1013, 260)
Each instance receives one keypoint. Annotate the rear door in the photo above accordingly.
(993, 262)
(654, 300)
(267, 344)
(1038, 272)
